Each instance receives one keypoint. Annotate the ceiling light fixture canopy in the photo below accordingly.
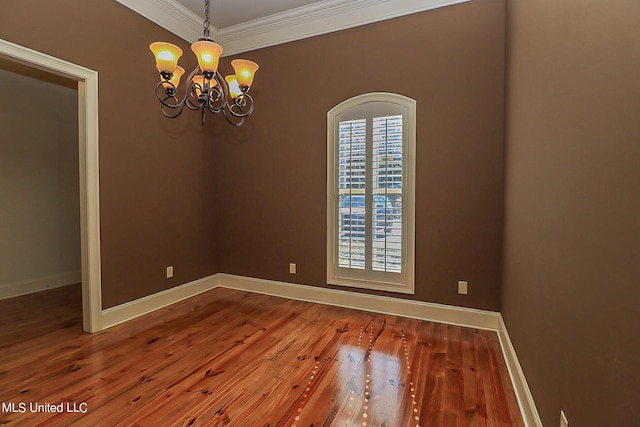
(206, 90)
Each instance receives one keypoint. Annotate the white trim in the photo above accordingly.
(362, 278)
(452, 315)
(318, 18)
(398, 288)
(37, 284)
(130, 310)
(171, 16)
(89, 169)
(468, 317)
(520, 385)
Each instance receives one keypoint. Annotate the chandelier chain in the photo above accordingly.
(205, 24)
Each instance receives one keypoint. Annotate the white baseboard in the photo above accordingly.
(130, 310)
(520, 385)
(29, 286)
(394, 306)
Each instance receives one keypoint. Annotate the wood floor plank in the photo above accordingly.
(232, 358)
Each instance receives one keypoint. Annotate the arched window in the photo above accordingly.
(371, 144)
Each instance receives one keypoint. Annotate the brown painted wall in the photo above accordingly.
(250, 200)
(157, 181)
(572, 239)
(273, 170)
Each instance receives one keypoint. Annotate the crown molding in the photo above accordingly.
(172, 16)
(318, 18)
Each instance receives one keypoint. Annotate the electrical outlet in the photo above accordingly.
(563, 420)
(292, 267)
(170, 272)
(462, 287)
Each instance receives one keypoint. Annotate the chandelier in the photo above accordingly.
(205, 89)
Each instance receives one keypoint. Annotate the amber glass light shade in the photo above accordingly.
(245, 71)
(175, 78)
(208, 54)
(167, 55)
(234, 87)
(198, 83)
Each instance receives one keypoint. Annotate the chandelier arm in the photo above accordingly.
(191, 105)
(215, 109)
(165, 108)
(166, 93)
(168, 100)
(165, 90)
(217, 97)
(192, 74)
(194, 101)
(237, 109)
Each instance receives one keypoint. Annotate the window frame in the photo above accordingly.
(393, 282)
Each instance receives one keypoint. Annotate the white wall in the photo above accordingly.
(39, 185)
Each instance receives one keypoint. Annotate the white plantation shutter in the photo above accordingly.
(352, 182)
(386, 186)
(370, 192)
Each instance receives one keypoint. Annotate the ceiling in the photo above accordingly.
(243, 25)
(226, 13)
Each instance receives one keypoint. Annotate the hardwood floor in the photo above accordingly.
(242, 359)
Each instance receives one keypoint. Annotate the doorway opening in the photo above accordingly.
(87, 81)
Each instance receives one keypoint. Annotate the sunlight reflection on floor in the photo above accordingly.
(376, 384)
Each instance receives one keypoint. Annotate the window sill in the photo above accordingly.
(403, 288)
